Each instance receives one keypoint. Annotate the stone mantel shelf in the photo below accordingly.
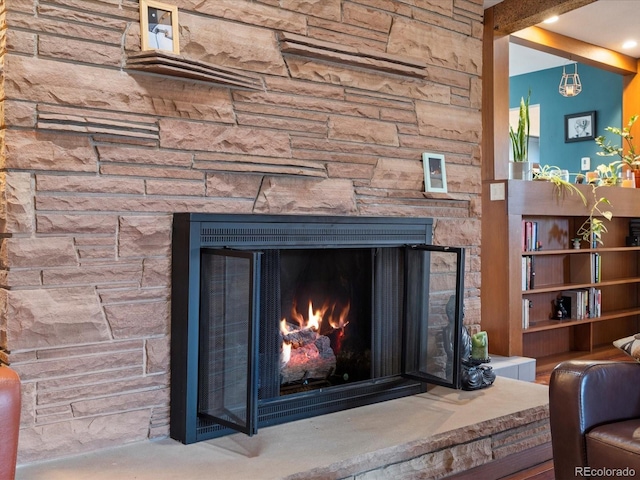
(166, 63)
(360, 57)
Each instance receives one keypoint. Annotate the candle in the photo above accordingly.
(480, 346)
(592, 177)
(628, 178)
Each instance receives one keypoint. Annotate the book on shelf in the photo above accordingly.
(529, 236)
(595, 302)
(526, 306)
(572, 300)
(528, 273)
(597, 268)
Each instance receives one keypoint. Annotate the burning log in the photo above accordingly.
(299, 338)
(313, 359)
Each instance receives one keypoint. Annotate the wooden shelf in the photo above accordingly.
(578, 251)
(553, 324)
(571, 286)
(542, 197)
(557, 268)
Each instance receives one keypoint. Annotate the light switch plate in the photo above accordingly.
(497, 191)
(585, 163)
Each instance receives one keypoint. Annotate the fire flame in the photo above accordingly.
(284, 327)
(313, 322)
(341, 320)
(314, 317)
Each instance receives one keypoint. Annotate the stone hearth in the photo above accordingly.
(431, 435)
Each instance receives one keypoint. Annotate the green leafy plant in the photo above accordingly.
(552, 174)
(609, 150)
(593, 227)
(520, 136)
(609, 173)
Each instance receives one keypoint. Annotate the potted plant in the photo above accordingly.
(593, 227)
(626, 151)
(521, 167)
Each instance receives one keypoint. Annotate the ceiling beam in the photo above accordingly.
(512, 15)
(575, 50)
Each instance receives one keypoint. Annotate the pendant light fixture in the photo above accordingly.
(570, 85)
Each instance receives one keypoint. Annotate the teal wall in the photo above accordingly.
(601, 91)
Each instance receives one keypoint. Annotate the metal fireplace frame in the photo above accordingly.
(195, 233)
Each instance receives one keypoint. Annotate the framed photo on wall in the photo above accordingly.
(579, 127)
(159, 26)
(435, 176)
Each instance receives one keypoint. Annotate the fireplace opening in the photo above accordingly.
(325, 328)
(278, 318)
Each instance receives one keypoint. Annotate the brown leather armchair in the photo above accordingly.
(594, 412)
(9, 421)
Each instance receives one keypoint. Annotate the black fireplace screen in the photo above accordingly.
(280, 318)
(226, 364)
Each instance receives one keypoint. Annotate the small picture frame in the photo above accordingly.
(579, 127)
(435, 175)
(159, 26)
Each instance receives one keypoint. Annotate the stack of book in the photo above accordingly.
(582, 303)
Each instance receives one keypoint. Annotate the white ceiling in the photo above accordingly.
(606, 23)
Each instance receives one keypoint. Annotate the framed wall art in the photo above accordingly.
(435, 176)
(579, 127)
(159, 26)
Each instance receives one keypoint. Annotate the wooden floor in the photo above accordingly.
(544, 367)
(544, 471)
(540, 472)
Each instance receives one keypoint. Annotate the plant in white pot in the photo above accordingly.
(521, 168)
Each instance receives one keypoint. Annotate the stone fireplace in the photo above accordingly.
(301, 108)
(277, 318)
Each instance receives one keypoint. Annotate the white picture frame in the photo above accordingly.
(435, 174)
(159, 26)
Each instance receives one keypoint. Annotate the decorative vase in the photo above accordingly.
(521, 170)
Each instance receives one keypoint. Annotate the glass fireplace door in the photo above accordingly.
(434, 279)
(227, 391)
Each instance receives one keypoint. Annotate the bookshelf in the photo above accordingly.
(608, 274)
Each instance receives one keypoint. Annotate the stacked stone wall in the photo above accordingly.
(317, 107)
